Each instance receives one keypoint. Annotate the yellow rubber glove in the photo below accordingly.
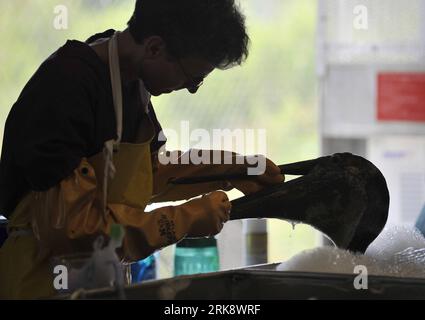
(163, 191)
(270, 177)
(68, 217)
(152, 231)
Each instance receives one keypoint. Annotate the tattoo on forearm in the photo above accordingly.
(167, 228)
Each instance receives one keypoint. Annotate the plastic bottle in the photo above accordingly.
(103, 268)
(193, 256)
(255, 242)
(144, 270)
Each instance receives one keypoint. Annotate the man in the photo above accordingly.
(80, 149)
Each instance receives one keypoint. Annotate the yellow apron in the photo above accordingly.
(25, 268)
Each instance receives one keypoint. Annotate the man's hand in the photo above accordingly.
(271, 176)
(208, 214)
(163, 191)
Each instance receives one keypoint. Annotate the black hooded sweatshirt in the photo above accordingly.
(64, 113)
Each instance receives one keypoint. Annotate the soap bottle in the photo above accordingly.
(196, 255)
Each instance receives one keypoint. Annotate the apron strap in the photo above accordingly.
(108, 150)
(111, 145)
(115, 74)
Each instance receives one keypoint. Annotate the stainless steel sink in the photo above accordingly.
(263, 282)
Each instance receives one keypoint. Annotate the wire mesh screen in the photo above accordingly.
(367, 31)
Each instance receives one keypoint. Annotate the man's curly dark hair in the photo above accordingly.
(210, 29)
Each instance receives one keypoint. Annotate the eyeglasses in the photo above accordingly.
(193, 83)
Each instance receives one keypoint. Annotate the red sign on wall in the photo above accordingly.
(401, 97)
